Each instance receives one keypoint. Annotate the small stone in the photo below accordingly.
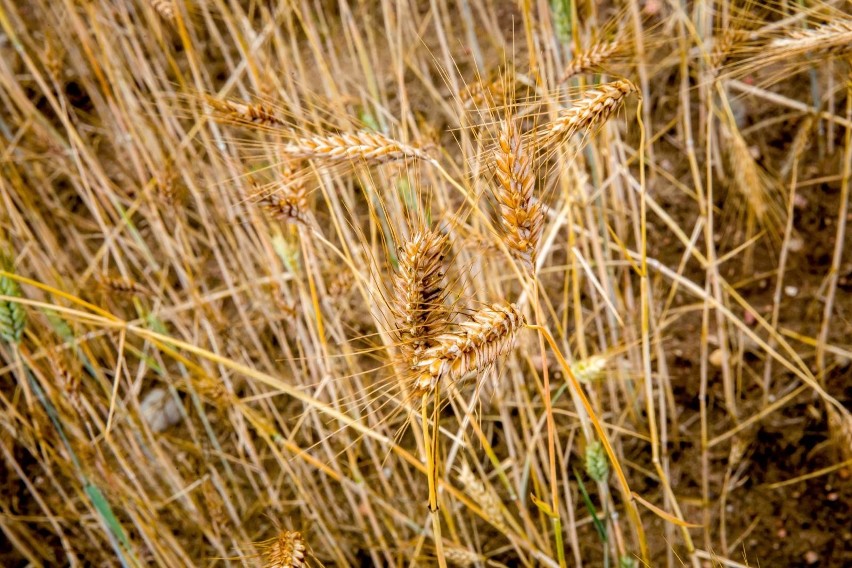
(795, 244)
(791, 291)
(833, 496)
(811, 557)
(716, 358)
(160, 409)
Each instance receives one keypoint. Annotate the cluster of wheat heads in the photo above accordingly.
(403, 283)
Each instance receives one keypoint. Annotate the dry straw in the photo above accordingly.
(487, 336)
(521, 214)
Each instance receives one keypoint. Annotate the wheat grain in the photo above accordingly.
(418, 304)
(521, 215)
(371, 147)
(488, 335)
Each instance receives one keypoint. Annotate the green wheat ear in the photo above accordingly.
(13, 318)
(627, 562)
(596, 465)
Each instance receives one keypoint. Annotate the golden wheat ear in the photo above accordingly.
(592, 59)
(586, 115)
(287, 550)
(488, 335)
(366, 146)
(521, 215)
(245, 113)
(418, 292)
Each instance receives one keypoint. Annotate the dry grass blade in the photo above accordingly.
(521, 214)
(489, 334)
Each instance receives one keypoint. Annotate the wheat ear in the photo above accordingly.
(245, 113)
(830, 40)
(418, 304)
(590, 60)
(13, 318)
(588, 114)
(165, 8)
(521, 215)
(287, 203)
(481, 341)
(287, 550)
(484, 497)
(371, 147)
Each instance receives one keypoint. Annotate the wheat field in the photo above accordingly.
(425, 283)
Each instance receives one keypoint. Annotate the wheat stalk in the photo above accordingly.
(488, 335)
(418, 292)
(588, 114)
(371, 147)
(521, 215)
